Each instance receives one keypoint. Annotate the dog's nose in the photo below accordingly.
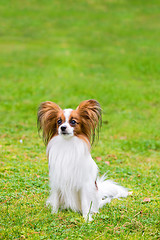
(63, 128)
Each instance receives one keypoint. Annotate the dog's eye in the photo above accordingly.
(73, 122)
(59, 121)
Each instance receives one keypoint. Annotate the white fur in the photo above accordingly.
(73, 173)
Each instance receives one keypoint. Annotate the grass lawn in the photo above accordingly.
(66, 52)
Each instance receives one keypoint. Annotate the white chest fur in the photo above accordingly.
(70, 163)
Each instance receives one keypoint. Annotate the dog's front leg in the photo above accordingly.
(53, 200)
(86, 206)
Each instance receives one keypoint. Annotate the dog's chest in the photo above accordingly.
(69, 162)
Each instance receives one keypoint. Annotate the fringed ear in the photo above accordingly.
(90, 113)
(47, 119)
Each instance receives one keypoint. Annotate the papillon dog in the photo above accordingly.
(73, 174)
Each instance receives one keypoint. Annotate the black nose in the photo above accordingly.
(63, 128)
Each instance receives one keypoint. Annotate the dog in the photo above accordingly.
(74, 182)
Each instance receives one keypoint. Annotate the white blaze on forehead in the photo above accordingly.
(67, 113)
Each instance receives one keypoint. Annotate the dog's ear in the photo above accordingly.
(47, 119)
(90, 113)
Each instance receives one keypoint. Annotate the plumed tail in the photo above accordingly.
(109, 190)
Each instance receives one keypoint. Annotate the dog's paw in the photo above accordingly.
(48, 203)
(53, 205)
(54, 210)
(88, 217)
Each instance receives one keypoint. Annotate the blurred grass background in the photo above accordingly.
(66, 52)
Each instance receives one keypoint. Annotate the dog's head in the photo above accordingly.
(82, 122)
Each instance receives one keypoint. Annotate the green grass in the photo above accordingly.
(66, 52)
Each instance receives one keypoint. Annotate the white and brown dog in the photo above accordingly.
(73, 173)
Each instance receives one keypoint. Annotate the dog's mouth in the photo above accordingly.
(66, 134)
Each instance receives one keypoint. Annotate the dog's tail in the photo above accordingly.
(108, 190)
